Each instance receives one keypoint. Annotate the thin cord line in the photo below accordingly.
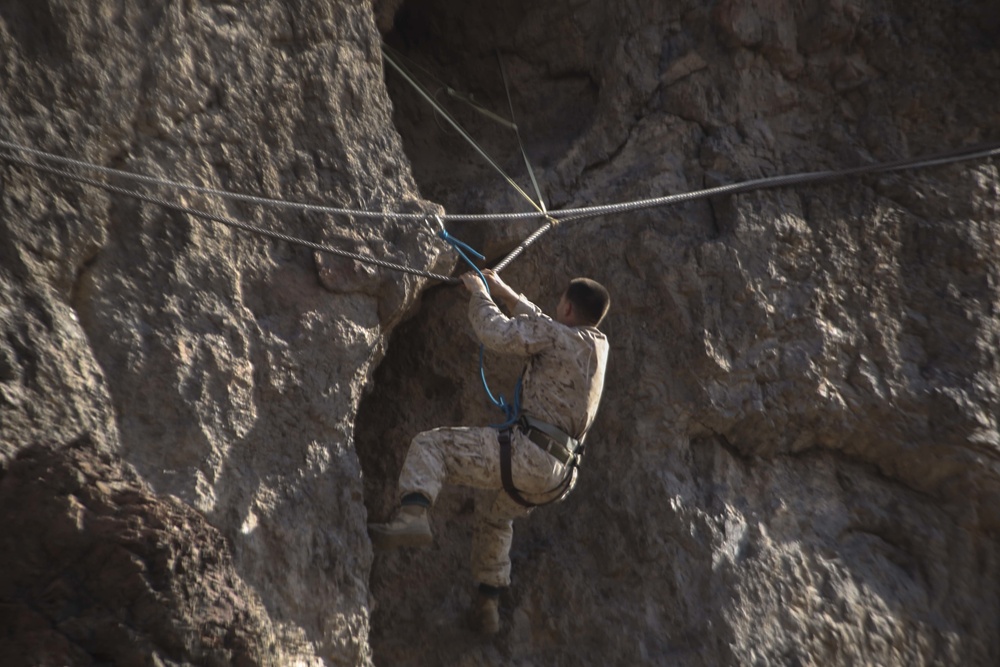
(465, 135)
(517, 133)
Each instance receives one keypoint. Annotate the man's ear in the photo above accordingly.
(570, 311)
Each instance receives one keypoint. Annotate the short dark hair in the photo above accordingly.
(590, 300)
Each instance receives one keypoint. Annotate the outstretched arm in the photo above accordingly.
(497, 331)
(500, 291)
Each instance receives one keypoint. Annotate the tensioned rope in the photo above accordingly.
(466, 99)
(517, 133)
(551, 217)
(511, 410)
(229, 221)
(401, 70)
(981, 151)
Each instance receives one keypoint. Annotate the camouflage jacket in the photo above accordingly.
(564, 376)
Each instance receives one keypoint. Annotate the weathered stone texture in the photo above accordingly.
(224, 367)
(796, 459)
(795, 462)
(97, 569)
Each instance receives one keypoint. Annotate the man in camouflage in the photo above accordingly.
(561, 390)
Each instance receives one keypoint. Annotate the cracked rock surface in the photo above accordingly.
(796, 460)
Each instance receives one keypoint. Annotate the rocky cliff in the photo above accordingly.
(796, 460)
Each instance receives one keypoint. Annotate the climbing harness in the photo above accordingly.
(551, 439)
(566, 449)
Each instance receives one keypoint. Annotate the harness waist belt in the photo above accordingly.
(551, 439)
(507, 476)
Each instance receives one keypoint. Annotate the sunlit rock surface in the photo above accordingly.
(796, 457)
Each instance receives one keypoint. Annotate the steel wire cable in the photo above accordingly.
(980, 151)
(237, 224)
(225, 194)
(768, 182)
(552, 217)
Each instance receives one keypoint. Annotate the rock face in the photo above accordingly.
(796, 458)
(224, 368)
(103, 571)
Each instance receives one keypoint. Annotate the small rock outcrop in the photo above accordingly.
(98, 570)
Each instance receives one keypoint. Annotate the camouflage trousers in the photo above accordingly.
(471, 457)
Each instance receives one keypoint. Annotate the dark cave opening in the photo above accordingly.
(456, 51)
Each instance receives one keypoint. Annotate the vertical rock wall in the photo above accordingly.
(795, 459)
(225, 368)
(795, 462)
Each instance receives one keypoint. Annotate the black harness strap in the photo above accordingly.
(507, 477)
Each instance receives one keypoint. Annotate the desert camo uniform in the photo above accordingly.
(562, 386)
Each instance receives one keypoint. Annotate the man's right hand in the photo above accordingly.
(499, 289)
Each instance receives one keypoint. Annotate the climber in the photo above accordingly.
(530, 462)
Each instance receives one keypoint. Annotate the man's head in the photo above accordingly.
(584, 303)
